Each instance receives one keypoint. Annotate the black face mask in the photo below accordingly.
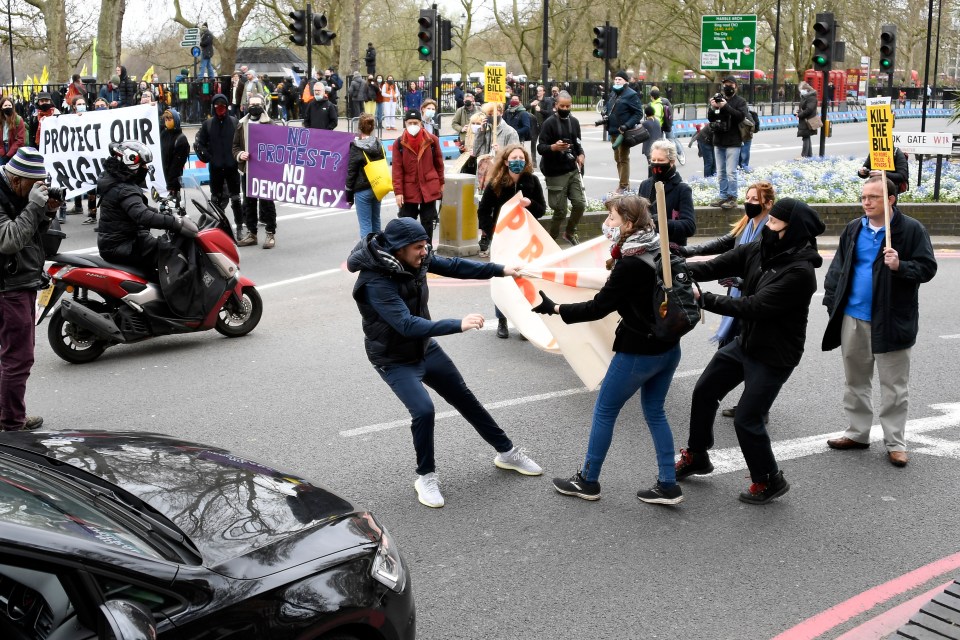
(729, 91)
(468, 106)
(662, 171)
(255, 112)
(8, 111)
(752, 209)
(769, 239)
(563, 114)
(44, 107)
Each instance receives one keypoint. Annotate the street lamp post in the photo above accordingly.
(776, 60)
(13, 75)
(545, 70)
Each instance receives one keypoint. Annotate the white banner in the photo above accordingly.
(565, 275)
(75, 145)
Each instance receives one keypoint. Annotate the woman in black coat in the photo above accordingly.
(681, 218)
(807, 109)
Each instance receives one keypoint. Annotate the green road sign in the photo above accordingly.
(728, 43)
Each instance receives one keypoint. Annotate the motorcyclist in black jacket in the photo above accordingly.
(125, 219)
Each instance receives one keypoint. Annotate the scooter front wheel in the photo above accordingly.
(72, 343)
(239, 320)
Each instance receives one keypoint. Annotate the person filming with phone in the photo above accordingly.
(561, 162)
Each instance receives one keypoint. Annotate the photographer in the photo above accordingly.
(624, 112)
(25, 212)
(561, 162)
(725, 113)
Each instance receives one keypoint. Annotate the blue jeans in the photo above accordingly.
(709, 161)
(627, 373)
(206, 64)
(438, 372)
(368, 212)
(727, 159)
(670, 135)
(745, 154)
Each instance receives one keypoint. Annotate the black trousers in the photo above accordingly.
(761, 384)
(231, 177)
(427, 213)
(267, 212)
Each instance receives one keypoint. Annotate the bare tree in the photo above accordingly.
(55, 21)
(235, 14)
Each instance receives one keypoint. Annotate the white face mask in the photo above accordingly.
(428, 114)
(413, 129)
(81, 108)
(475, 128)
(610, 233)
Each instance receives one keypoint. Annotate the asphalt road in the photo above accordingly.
(508, 557)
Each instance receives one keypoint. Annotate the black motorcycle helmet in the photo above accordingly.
(134, 155)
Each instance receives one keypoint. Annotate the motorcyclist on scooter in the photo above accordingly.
(125, 219)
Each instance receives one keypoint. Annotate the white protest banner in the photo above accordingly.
(571, 275)
(75, 145)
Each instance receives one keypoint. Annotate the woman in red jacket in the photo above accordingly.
(14, 130)
(418, 172)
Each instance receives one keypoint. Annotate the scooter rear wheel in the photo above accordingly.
(73, 344)
(235, 322)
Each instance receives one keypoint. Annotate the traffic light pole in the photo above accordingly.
(606, 81)
(309, 36)
(823, 111)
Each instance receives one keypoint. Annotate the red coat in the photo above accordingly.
(418, 177)
(16, 136)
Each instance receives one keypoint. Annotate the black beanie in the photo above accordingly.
(783, 209)
(622, 74)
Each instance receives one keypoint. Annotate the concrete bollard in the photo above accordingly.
(459, 234)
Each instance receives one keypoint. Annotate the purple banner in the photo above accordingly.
(298, 165)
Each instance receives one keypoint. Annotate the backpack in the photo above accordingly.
(675, 311)
(747, 127)
(667, 116)
(756, 120)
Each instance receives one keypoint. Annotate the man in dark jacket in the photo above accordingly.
(392, 294)
(779, 280)
(370, 59)
(561, 161)
(25, 213)
(871, 295)
(725, 117)
(624, 112)
(174, 149)
(128, 90)
(125, 219)
(517, 117)
(214, 145)
(257, 114)
(320, 113)
(355, 95)
(900, 176)
(206, 52)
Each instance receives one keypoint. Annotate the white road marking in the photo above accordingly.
(955, 336)
(309, 276)
(405, 422)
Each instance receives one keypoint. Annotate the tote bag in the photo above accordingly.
(814, 122)
(379, 176)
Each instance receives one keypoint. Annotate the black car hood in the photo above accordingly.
(229, 506)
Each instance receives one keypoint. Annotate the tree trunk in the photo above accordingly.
(355, 39)
(55, 22)
(121, 10)
(108, 37)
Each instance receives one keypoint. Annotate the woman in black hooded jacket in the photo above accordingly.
(779, 281)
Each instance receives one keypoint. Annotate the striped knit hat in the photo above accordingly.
(27, 163)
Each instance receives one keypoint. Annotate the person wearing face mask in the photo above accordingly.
(512, 173)
(417, 172)
(725, 116)
(371, 93)
(561, 163)
(254, 208)
(44, 109)
(390, 93)
(428, 111)
(681, 217)
(779, 280)
(174, 149)
(25, 214)
(214, 145)
(365, 149)
(334, 83)
(378, 111)
(467, 163)
(412, 97)
(14, 129)
(517, 117)
(320, 113)
(640, 361)
(806, 109)
(100, 105)
(461, 119)
(110, 92)
(624, 112)
(79, 105)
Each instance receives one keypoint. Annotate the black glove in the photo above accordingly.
(680, 250)
(731, 282)
(349, 197)
(546, 307)
(622, 129)
(188, 228)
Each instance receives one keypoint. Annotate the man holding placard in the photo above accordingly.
(871, 296)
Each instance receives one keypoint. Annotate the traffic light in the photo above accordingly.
(321, 36)
(446, 35)
(427, 28)
(600, 42)
(825, 34)
(888, 48)
(298, 28)
(612, 44)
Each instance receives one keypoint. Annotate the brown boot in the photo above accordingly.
(248, 241)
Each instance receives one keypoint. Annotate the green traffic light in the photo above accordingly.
(885, 63)
(820, 60)
(424, 50)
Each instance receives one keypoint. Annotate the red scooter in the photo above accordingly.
(117, 304)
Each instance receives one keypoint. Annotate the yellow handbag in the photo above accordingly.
(379, 176)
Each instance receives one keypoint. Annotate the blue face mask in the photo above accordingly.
(516, 166)
(618, 87)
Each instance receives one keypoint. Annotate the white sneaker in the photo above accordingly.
(428, 490)
(517, 460)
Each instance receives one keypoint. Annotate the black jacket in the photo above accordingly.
(175, 149)
(206, 44)
(779, 281)
(807, 109)
(520, 120)
(726, 124)
(320, 114)
(895, 307)
(214, 141)
(21, 244)
(629, 292)
(681, 217)
(403, 337)
(490, 203)
(623, 110)
(557, 163)
(124, 214)
(356, 176)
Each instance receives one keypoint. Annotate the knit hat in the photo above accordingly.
(43, 95)
(412, 114)
(783, 209)
(401, 232)
(115, 79)
(220, 99)
(622, 74)
(804, 224)
(27, 163)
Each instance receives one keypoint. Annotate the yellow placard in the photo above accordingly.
(495, 82)
(880, 131)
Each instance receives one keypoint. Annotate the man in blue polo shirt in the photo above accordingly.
(871, 295)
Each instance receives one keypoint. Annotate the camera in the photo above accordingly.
(54, 193)
(718, 97)
(602, 121)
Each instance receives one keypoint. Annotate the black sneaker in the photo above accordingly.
(764, 492)
(577, 486)
(693, 463)
(659, 494)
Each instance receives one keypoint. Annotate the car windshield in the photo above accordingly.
(38, 501)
